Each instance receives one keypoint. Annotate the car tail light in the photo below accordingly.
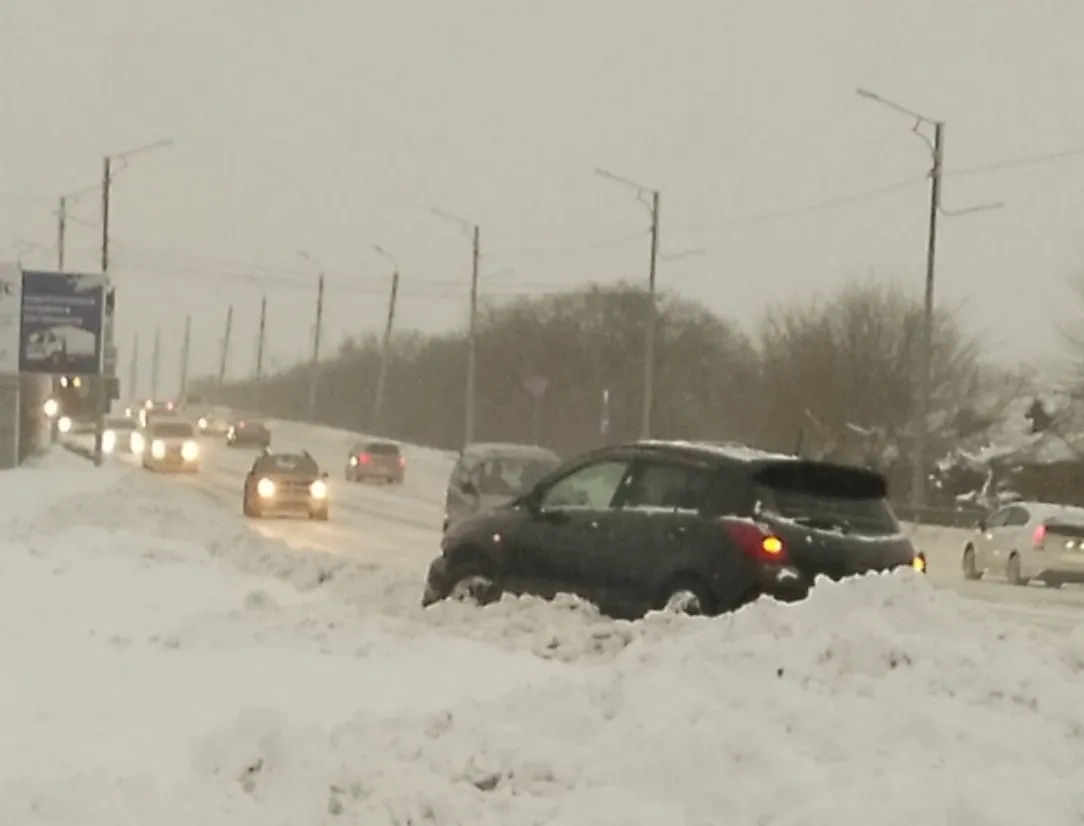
(402, 461)
(755, 542)
(364, 458)
(1039, 537)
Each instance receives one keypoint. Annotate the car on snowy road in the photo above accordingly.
(692, 527)
(248, 431)
(283, 484)
(117, 435)
(1027, 541)
(168, 443)
(377, 459)
(490, 474)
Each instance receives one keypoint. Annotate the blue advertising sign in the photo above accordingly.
(62, 323)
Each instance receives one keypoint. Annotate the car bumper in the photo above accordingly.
(297, 505)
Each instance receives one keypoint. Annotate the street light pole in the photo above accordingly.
(653, 309)
(381, 381)
(474, 232)
(923, 367)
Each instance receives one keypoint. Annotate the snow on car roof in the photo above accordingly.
(734, 451)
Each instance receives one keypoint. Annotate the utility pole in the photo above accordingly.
(381, 381)
(260, 338)
(315, 370)
(185, 346)
(61, 230)
(652, 309)
(923, 378)
(156, 354)
(225, 346)
(472, 337)
(474, 232)
(98, 382)
(133, 369)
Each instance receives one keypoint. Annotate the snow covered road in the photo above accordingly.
(399, 526)
(165, 664)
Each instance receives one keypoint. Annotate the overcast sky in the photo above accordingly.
(333, 125)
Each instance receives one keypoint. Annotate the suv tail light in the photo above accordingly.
(363, 458)
(755, 542)
(402, 461)
(1039, 537)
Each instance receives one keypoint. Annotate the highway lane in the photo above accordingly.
(400, 525)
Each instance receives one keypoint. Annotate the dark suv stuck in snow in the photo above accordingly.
(691, 527)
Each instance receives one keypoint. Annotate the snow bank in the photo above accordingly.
(853, 707)
(146, 680)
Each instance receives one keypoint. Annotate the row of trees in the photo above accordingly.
(834, 376)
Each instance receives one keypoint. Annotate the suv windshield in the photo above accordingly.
(287, 463)
(825, 496)
(172, 430)
(511, 476)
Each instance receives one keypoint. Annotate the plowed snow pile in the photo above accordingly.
(148, 681)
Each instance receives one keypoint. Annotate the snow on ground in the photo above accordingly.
(149, 680)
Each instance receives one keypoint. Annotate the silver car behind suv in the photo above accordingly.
(1029, 540)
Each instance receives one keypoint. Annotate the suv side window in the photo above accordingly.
(1017, 516)
(667, 485)
(998, 519)
(593, 486)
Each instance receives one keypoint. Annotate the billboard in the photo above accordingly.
(11, 311)
(63, 317)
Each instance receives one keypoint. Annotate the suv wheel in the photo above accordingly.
(475, 589)
(687, 598)
(1014, 572)
(970, 567)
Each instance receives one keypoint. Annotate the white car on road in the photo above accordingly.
(1029, 540)
(167, 443)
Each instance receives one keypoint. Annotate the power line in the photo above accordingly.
(819, 206)
(1018, 163)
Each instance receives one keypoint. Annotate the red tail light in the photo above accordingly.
(755, 542)
(402, 461)
(1039, 537)
(364, 458)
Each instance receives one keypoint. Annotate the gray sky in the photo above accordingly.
(332, 125)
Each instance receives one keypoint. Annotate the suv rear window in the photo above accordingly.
(382, 448)
(830, 496)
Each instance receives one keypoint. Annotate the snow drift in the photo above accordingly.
(147, 680)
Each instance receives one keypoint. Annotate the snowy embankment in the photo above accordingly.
(148, 680)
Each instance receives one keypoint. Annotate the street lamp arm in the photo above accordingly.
(139, 150)
(605, 173)
(381, 251)
(903, 110)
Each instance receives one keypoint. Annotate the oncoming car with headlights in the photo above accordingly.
(118, 434)
(168, 444)
(281, 484)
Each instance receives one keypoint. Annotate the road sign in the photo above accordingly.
(62, 323)
(11, 311)
(536, 386)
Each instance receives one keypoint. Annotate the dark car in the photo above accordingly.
(248, 432)
(692, 527)
(378, 460)
(281, 484)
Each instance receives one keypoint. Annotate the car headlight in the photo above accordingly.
(137, 443)
(265, 488)
(109, 441)
(64, 424)
(51, 408)
(158, 449)
(190, 451)
(202, 423)
(318, 489)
